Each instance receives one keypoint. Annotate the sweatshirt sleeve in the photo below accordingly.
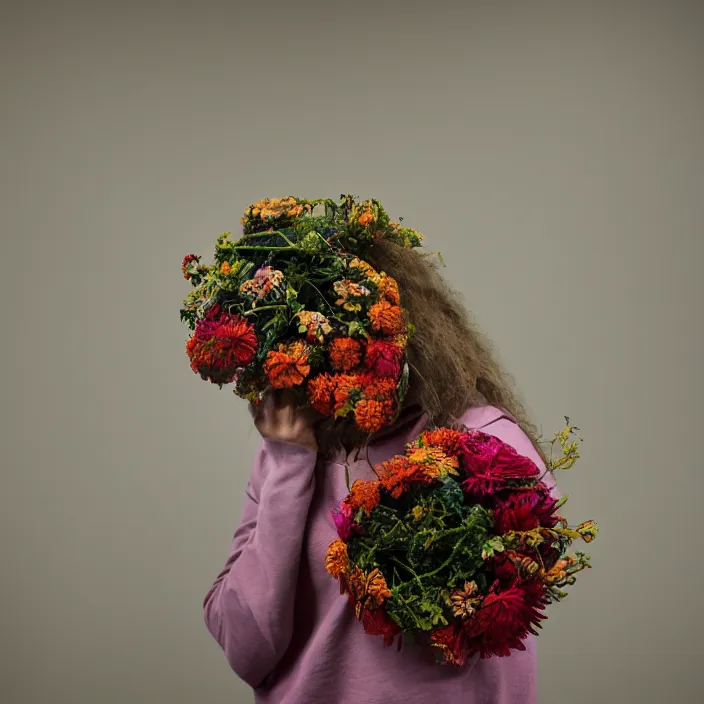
(249, 608)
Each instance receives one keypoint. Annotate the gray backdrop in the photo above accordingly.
(551, 150)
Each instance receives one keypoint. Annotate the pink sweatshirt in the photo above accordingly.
(280, 619)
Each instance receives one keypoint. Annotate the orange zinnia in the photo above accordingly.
(345, 353)
(387, 317)
(288, 367)
(364, 494)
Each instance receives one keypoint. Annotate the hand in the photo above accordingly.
(277, 418)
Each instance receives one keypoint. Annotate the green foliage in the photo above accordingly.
(425, 543)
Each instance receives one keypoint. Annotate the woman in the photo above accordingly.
(277, 614)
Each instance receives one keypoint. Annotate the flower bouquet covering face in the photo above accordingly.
(459, 540)
(293, 305)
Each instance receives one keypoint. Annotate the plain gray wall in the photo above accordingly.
(553, 151)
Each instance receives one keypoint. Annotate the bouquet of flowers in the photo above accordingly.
(459, 541)
(293, 305)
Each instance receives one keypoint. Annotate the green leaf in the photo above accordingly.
(491, 547)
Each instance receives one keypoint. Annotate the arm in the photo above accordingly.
(249, 609)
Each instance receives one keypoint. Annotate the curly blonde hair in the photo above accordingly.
(453, 365)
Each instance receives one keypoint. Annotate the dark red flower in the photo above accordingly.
(452, 642)
(490, 462)
(384, 358)
(506, 618)
(221, 345)
(525, 510)
(379, 623)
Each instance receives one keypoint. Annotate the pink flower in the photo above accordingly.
(490, 462)
(344, 522)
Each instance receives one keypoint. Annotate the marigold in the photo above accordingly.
(321, 391)
(225, 268)
(386, 317)
(288, 367)
(372, 415)
(450, 441)
(345, 353)
(364, 494)
(337, 562)
(348, 387)
(398, 474)
(380, 388)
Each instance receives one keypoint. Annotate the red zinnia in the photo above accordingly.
(220, 346)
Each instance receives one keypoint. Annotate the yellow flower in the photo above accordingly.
(346, 289)
(367, 269)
